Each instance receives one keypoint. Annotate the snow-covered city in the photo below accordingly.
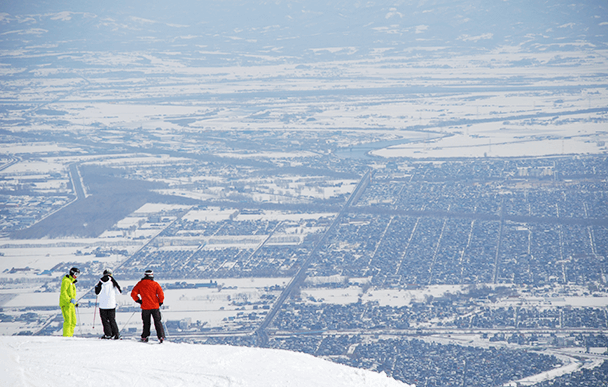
(416, 191)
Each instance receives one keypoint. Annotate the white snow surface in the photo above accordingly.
(58, 361)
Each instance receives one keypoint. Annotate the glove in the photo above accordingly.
(160, 304)
(138, 301)
(73, 301)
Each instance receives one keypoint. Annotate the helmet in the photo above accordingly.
(149, 273)
(107, 272)
(74, 271)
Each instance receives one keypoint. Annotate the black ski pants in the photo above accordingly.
(158, 325)
(108, 320)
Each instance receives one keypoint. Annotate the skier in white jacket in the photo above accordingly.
(107, 289)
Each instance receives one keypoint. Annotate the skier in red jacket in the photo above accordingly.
(150, 296)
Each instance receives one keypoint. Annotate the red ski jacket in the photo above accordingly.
(150, 292)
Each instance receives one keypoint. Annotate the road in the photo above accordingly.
(301, 274)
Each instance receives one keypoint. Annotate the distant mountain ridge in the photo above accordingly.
(302, 30)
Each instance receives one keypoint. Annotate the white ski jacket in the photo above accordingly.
(107, 289)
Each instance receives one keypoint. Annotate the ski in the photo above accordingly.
(149, 341)
(110, 338)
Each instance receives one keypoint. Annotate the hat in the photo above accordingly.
(107, 272)
(75, 271)
(149, 273)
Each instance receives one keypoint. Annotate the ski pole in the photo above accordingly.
(123, 327)
(78, 321)
(95, 312)
(162, 322)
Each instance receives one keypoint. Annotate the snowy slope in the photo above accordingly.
(58, 361)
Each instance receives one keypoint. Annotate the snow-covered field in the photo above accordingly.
(58, 361)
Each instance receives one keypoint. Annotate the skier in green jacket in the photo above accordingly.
(68, 303)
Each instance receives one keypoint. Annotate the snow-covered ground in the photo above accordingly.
(57, 361)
